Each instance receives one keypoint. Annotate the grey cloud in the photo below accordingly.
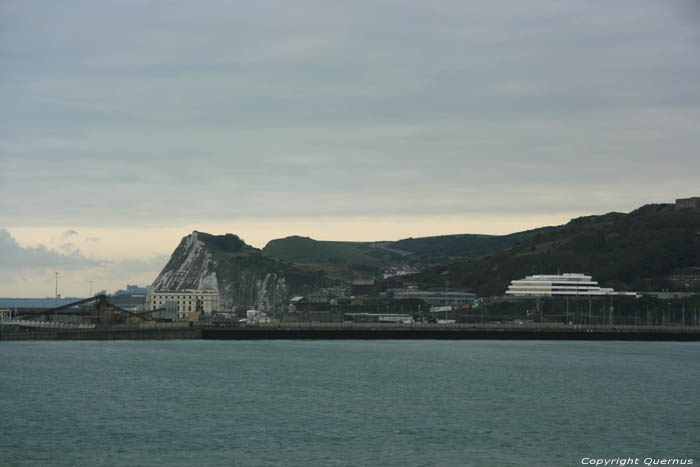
(15, 256)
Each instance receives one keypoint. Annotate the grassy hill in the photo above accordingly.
(305, 250)
(444, 247)
(375, 255)
(634, 251)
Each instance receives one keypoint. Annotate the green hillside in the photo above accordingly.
(424, 250)
(634, 251)
(305, 250)
(443, 247)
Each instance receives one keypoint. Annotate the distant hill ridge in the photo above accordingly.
(626, 251)
(306, 250)
(634, 251)
(422, 250)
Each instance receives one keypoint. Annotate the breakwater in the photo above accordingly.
(103, 334)
(365, 331)
(451, 333)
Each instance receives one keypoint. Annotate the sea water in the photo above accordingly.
(324, 403)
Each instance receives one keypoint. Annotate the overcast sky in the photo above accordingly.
(133, 123)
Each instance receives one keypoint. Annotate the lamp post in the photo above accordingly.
(56, 295)
(447, 288)
(683, 316)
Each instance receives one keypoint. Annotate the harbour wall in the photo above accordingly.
(365, 331)
(103, 334)
(381, 332)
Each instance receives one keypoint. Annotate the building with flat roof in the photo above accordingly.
(327, 295)
(688, 203)
(188, 301)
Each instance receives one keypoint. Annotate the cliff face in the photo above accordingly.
(242, 276)
(191, 266)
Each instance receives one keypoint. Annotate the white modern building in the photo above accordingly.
(560, 284)
(187, 302)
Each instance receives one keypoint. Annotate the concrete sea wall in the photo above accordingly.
(452, 333)
(103, 334)
(327, 331)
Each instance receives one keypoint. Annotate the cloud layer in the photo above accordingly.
(149, 113)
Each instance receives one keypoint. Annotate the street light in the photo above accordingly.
(56, 297)
(56, 294)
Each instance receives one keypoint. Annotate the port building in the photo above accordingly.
(437, 298)
(568, 284)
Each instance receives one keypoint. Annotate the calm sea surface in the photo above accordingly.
(226, 403)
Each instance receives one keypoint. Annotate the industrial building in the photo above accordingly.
(436, 298)
(689, 277)
(378, 318)
(187, 302)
